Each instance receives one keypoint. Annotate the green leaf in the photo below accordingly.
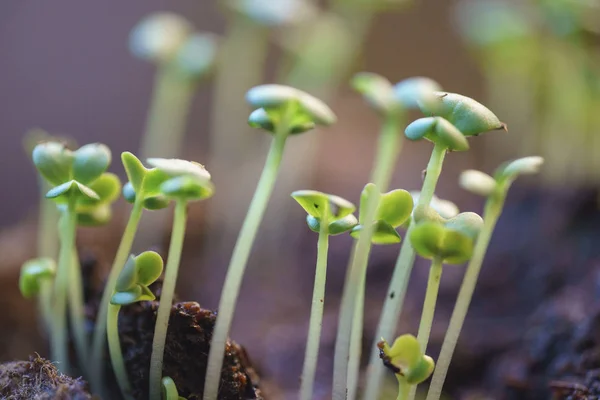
(383, 233)
(159, 36)
(152, 182)
(421, 371)
(135, 170)
(259, 118)
(434, 240)
(467, 223)
(107, 187)
(419, 128)
(90, 161)
(466, 114)
(437, 130)
(129, 192)
(197, 55)
(413, 91)
(405, 354)
(522, 166)
(72, 188)
(149, 266)
(175, 167)
(342, 225)
(126, 297)
(33, 272)
(53, 161)
(188, 188)
(169, 390)
(377, 90)
(395, 207)
(156, 203)
(445, 208)
(128, 276)
(313, 202)
(477, 182)
(94, 216)
(146, 294)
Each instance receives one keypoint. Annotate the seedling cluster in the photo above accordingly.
(83, 192)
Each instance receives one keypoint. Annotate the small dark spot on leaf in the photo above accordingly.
(392, 295)
(316, 205)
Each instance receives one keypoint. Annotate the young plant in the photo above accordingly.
(132, 286)
(169, 390)
(143, 190)
(281, 110)
(495, 189)
(36, 279)
(73, 176)
(183, 182)
(451, 118)
(327, 215)
(183, 57)
(408, 362)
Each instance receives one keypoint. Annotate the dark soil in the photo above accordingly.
(38, 379)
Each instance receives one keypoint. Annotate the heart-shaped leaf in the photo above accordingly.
(314, 202)
(434, 240)
(53, 161)
(406, 359)
(466, 114)
(395, 207)
(138, 273)
(33, 272)
(149, 265)
(90, 161)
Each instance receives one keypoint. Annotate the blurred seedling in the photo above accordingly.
(451, 118)
(36, 280)
(407, 361)
(283, 111)
(169, 390)
(132, 286)
(327, 215)
(495, 190)
(182, 182)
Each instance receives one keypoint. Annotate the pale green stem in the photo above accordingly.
(77, 314)
(166, 299)
(114, 348)
(356, 341)
(353, 295)
(316, 312)
(433, 286)
(492, 212)
(403, 390)
(59, 338)
(99, 338)
(392, 307)
(239, 258)
(167, 116)
(45, 303)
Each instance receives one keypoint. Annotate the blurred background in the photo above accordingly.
(67, 67)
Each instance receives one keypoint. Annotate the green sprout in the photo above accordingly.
(287, 109)
(132, 286)
(36, 279)
(450, 118)
(408, 362)
(73, 175)
(183, 181)
(183, 57)
(169, 390)
(391, 103)
(327, 215)
(143, 190)
(495, 189)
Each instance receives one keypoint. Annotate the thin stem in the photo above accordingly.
(77, 313)
(316, 311)
(59, 338)
(433, 286)
(99, 338)
(356, 341)
(490, 217)
(166, 299)
(392, 307)
(116, 354)
(352, 306)
(239, 258)
(403, 390)
(45, 303)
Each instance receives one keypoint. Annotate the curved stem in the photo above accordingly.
(77, 313)
(99, 338)
(392, 306)
(239, 258)
(114, 348)
(353, 295)
(59, 338)
(403, 390)
(490, 217)
(166, 299)
(316, 312)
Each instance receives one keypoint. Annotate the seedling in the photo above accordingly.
(495, 189)
(74, 176)
(37, 277)
(143, 190)
(132, 286)
(450, 118)
(185, 182)
(287, 109)
(391, 104)
(327, 215)
(169, 390)
(408, 362)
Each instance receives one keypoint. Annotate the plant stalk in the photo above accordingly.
(403, 390)
(392, 306)
(77, 314)
(316, 313)
(59, 337)
(350, 333)
(99, 338)
(239, 258)
(116, 354)
(493, 209)
(166, 299)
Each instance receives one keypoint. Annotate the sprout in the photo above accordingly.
(377, 90)
(169, 390)
(35, 274)
(287, 108)
(505, 175)
(477, 182)
(132, 286)
(159, 36)
(413, 92)
(325, 213)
